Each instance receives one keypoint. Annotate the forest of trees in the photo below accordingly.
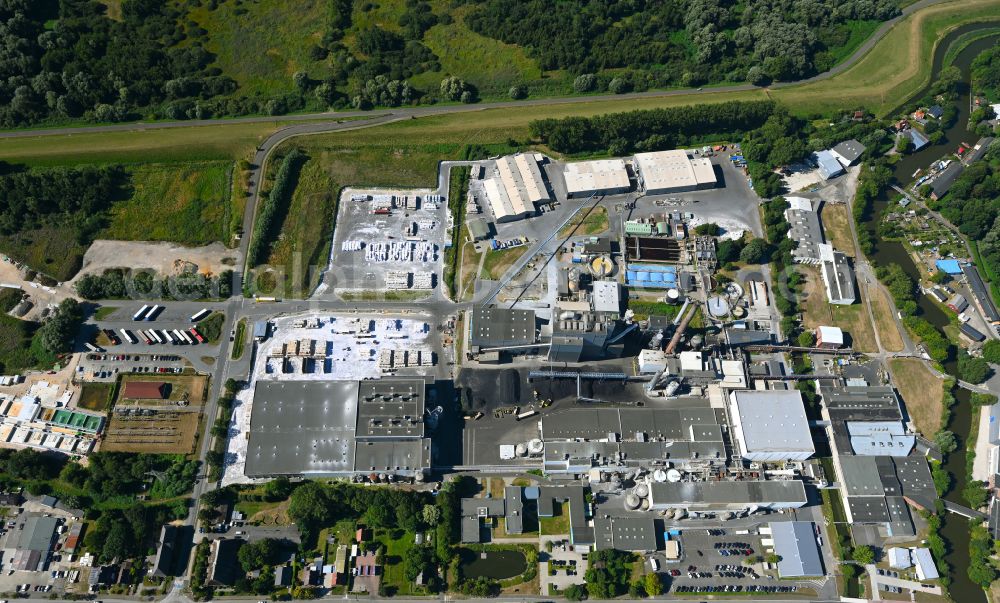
(66, 60)
(75, 197)
(685, 42)
(653, 129)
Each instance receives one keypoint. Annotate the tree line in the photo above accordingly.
(123, 283)
(653, 129)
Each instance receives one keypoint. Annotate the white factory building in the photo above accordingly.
(600, 177)
(770, 426)
(516, 187)
(675, 171)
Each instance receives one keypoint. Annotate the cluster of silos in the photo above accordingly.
(533, 447)
(638, 498)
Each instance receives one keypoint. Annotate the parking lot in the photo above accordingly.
(388, 240)
(716, 560)
(105, 367)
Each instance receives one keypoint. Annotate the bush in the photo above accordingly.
(585, 82)
(518, 92)
(973, 370)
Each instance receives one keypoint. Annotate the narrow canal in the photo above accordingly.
(954, 528)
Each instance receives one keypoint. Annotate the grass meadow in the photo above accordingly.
(190, 203)
(261, 44)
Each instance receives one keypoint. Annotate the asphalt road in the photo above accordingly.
(410, 112)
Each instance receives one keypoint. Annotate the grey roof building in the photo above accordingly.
(163, 565)
(771, 425)
(981, 293)
(336, 428)
(838, 278)
(634, 534)
(804, 227)
(501, 327)
(943, 181)
(474, 510)
(607, 340)
(34, 544)
(727, 495)
(479, 229)
(514, 509)
(223, 563)
(795, 542)
(848, 152)
(577, 439)
(580, 533)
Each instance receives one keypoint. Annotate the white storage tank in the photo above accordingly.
(641, 490)
(535, 446)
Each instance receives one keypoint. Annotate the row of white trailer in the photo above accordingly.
(150, 312)
(163, 336)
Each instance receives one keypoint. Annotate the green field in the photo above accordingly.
(189, 203)
(260, 44)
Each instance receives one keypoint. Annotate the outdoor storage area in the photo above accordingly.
(388, 241)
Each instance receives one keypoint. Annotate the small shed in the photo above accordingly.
(145, 390)
(830, 338)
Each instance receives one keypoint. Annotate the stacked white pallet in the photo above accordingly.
(385, 358)
(351, 245)
(423, 280)
(396, 279)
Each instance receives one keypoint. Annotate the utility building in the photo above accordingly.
(600, 177)
(665, 172)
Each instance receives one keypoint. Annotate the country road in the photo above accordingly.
(414, 112)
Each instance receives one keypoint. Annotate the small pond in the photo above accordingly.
(498, 565)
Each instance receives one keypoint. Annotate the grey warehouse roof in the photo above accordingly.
(391, 408)
(311, 427)
(499, 327)
(723, 492)
(625, 533)
(37, 534)
(772, 420)
(302, 427)
(795, 542)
